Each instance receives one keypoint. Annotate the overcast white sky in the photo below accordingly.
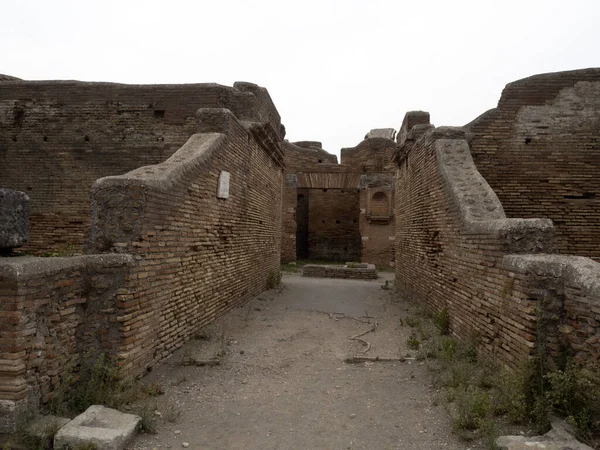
(335, 69)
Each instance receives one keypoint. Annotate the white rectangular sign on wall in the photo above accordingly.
(223, 189)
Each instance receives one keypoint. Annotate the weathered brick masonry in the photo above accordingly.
(373, 159)
(370, 155)
(197, 254)
(299, 156)
(53, 311)
(501, 278)
(339, 212)
(568, 290)
(451, 235)
(540, 152)
(136, 177)
(58, 137)
(178, 250)
(333, 229)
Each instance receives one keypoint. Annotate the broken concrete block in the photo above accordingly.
(14, 218)
(107, 429)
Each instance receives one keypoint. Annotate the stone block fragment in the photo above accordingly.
(107, 429)
(387, 133)
(560, 437)
(411, 119)
(14, 218)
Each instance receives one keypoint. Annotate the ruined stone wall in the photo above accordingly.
(305, 156)
(298, 157)
(540, 152)
(289, 205)
(308, 169)
(333, 230)
(377, 224)
(177, 252)
(456, 249)
(373, 159)
(371, 155)
(54, 310)
(197, 255)
(451, 235)
(58, 137)
(568, 290)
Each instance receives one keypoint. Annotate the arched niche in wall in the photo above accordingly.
(379, 205)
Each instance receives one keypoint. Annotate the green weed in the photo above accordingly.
(413, 342)
(472, 408)
(447, 349)
(442, 321)
(98, 384)
(412, 322)
(145, 411)
(273, 279)
(574, 392)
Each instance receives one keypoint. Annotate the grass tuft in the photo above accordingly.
(273, 279)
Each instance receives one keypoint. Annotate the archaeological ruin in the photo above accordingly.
(339, 212)
(131, 216)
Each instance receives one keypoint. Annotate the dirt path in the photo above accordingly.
(283, 383)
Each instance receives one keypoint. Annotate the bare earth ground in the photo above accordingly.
(283, 382)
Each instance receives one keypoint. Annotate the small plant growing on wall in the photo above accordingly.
(273, 279)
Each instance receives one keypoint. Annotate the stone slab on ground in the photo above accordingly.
(14, 218)
(349, 271)
(106, 428)
(558, 438)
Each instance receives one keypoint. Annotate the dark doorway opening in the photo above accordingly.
(327, 225)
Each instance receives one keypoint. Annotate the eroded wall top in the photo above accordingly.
(58, 137)
(540, 152)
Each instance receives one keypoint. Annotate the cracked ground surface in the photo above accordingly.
(283, 382)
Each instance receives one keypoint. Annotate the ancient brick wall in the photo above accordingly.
(451, 235)
(539, 150)
(298, 156)
(54, 310)
(289, 225)
(371, 155)
(197, 255)
(58, 137)
(377, 225)
(373, 159)
(456, 249)
(333, 230)
(305, 156)
(568, 290)
(308, 169)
